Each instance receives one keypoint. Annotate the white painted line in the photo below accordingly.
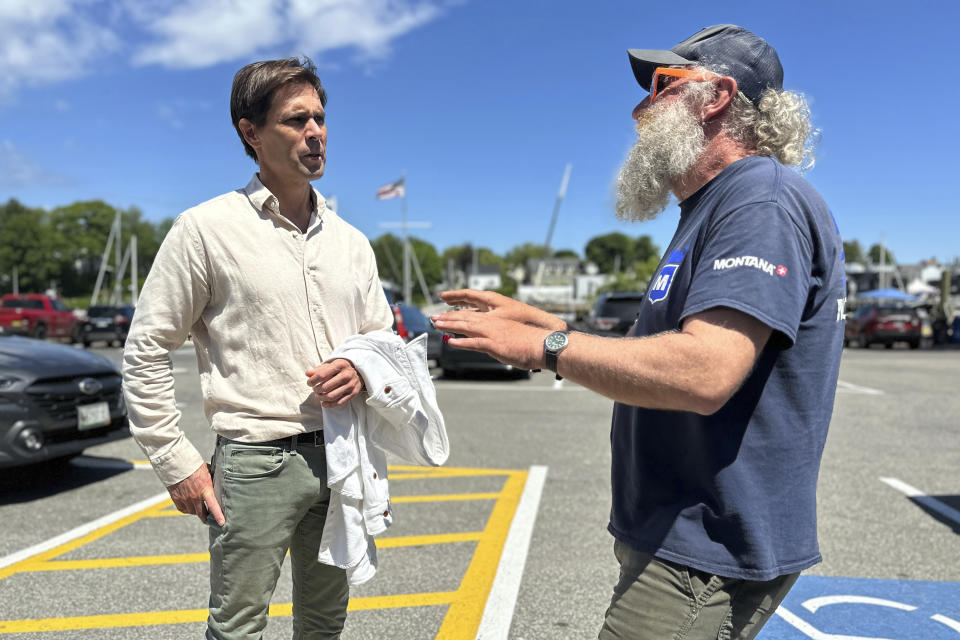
(498, 614)
(82, 530)
(813, 604)
(944, 620)
(849, 387)
(106, 463)
(931, 503)
(805, 628)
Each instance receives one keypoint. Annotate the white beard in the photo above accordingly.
(670, 140)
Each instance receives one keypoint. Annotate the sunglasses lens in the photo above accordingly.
(663, 81)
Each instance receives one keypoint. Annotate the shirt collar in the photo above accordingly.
(265, 202)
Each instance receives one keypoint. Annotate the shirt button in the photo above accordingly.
(386, 513)
(387, 389)
(374, 475)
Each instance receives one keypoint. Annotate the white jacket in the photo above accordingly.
(400, 416)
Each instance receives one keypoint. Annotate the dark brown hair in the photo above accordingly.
(255, 84)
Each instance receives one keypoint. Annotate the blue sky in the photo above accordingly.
(481, 103)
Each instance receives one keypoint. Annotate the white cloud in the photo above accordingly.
(45, 41)
(16, 170)
(205, 32)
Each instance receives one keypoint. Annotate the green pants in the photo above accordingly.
(659, 600)
(274, 498)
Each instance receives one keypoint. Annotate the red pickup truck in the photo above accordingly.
(37, 315)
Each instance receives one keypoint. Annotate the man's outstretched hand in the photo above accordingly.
(503, 307)
(510, 331)
(194, 496)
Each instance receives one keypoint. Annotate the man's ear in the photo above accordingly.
(722, 98)
(249, 131)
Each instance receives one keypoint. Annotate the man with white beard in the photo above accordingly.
(724, 386)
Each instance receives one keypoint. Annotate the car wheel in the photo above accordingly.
(40, 331)
(888, 345)
(86, 344)
(450, 373)
(846, 342)
(862, 341)
(914, 344)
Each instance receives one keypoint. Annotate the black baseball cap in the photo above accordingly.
(740, 54)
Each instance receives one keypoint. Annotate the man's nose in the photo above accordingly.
(643, 104)
(316, 131)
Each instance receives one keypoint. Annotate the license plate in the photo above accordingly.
(90, 416)
(102, 324)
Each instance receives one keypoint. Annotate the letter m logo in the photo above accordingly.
(660, 285)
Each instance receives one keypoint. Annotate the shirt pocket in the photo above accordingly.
(395, 401)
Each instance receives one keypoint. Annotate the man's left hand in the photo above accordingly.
(509, 341)
(335, 382)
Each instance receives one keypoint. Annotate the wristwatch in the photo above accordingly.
(553, 344)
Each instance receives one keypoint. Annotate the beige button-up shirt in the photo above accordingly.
(263, 303)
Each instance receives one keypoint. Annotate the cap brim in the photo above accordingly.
(644, 61)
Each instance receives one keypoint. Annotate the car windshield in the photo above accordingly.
(896, 311)
(22, 303)
(101, 311)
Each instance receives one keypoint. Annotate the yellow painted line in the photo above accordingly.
(464, 615)
(182, 616)
(168, 513)
(444, 476)
(446, 497)
(114, 563)
(81, 541)
(446, 470)
(190, 558)
(440, 538)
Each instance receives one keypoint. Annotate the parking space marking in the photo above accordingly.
(498, 613)
(836, 608)
(931, 503)
(500, 548)
(84, 533)
(849, 387)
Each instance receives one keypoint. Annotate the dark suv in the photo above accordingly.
(614, 313)
(55, 401)
(885, 324)
(107, 323)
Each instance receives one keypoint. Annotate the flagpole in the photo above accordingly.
(406, 247)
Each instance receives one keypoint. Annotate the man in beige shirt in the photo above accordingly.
(268, 281)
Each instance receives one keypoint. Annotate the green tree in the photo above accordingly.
(853, 252)
(388, 250)
(520, 254)
(566, 253)
(875, 253)
(27, 243)
(604, 250)
(462, 256)
(644, 249)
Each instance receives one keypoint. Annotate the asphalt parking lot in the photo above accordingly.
(510, 534)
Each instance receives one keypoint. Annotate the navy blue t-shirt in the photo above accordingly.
(734, 493)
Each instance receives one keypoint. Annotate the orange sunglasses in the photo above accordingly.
(664, 76)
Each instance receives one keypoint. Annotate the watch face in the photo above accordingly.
(556, 341)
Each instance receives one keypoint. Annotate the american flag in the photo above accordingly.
(392, 190)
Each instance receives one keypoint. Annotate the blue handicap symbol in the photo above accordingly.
(822, 608)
